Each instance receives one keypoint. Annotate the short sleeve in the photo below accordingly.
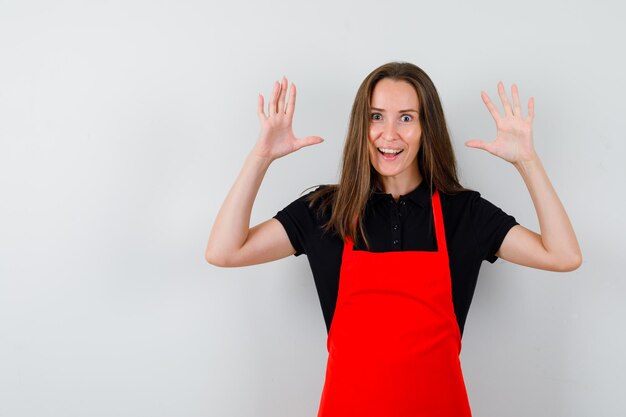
(298, 222)
(491, 224)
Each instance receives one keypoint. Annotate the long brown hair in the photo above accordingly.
(435, 158)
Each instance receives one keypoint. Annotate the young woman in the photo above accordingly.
(396, 246)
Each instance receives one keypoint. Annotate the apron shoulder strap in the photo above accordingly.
(440, 232)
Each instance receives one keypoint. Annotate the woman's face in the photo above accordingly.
(394, 125)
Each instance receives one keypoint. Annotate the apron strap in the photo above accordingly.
(440, 232)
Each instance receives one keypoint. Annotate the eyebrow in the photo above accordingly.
(401, 111)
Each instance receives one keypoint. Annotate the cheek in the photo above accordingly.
(415, 135)
(371, 149)
(374, 131)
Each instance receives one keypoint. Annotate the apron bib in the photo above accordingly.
(394, 341)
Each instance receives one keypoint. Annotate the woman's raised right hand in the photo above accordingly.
(276, 138)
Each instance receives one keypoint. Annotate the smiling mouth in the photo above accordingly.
(389, 155)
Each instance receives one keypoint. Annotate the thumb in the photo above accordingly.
(309, 140)
(477, 143)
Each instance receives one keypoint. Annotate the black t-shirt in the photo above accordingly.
(475, 229)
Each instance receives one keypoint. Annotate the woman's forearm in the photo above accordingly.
(276, 139)
(231, 226)
(557, 234)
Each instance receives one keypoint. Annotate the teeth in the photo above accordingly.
(393, 151)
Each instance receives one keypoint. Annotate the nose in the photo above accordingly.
(390, 131)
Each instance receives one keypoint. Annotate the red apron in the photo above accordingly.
(394, 342)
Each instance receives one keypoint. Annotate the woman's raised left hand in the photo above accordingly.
(514, 136)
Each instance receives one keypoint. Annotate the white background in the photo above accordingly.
(123, 125)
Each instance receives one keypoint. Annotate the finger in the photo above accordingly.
(260, 111)
(505, 100)
(283, 93)
(308, 141)
(272, 104)
(478, 144)
(492, 109)
(291, 104)
(531, 110)
(517, 109)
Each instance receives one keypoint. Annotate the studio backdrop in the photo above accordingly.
(123, 125)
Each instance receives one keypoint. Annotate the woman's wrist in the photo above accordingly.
(259, 158)
(527, 163)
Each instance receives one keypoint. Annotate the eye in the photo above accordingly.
(376, 116)
(406, 118)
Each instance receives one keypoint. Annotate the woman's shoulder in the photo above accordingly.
(315, 201)
(459, 198)
(320, 200)
(465, 204)
(470, 203)
(322, 190)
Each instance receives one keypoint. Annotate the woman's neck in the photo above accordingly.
(397, 188)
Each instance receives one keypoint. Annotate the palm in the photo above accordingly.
(277, 138)
(514, 134)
